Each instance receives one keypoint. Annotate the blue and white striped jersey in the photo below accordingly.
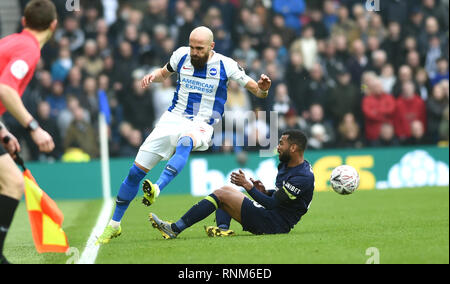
(201, 94)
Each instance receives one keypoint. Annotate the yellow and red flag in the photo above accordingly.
(45, 218)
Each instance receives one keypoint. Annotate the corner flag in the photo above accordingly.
(45, 217)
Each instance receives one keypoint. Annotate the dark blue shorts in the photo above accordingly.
(258, 220)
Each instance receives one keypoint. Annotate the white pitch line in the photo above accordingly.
(91, 250)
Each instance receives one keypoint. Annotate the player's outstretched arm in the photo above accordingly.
(261, 88)
(157, 75)
(238, 178)
(13, 103)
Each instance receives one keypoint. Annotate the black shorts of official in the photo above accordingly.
(2, 150)
(258, 220)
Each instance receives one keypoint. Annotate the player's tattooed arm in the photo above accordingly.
(261, 88)
(157, 75)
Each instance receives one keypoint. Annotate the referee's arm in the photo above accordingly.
(13, 103)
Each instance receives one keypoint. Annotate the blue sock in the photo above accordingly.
(128, 191)
(197, 213)
(177, 162)
(223, 219)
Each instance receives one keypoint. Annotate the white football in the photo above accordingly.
(344, 179)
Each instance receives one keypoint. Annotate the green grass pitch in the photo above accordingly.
(404, 225)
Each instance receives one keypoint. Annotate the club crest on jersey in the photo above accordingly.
(213, 71)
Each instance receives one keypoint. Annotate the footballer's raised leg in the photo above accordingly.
(174, 166)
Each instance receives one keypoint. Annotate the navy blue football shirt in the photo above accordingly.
(294, 191)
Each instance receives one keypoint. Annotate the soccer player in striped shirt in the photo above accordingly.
(198, 103)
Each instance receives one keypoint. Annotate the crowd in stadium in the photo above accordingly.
(348, 77)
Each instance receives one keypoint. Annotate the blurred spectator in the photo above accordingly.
(378, 61)
(89, 22)
(442, 71)
(291, 11)
(409, 45)
(418, 136)
(387, 137)
(56, 99)
(317, 126)
(423, 83)
(92, 63)
(276, 42)
(81, 135)
(392, 44)
(279, 27)
(343, 98)
(414, 25)
(434, 52)
(131, 140)
(296, 79)
(318, 25)
(387, 78)
(345, 25)
(60, 68)
(138, 107)
(189, 23)
(88, 99)
(257, 130)
(65, 117)
(72, 32)
(341, 44)
(377, 30)
(74, 82)
(430, 37)
(237, 107)
(291, 120)
(131, 35)
(156, 14)
(123, 65)
(378, 108)
(245, 51)
(405, 75)
(433, 8)
(358, 63)
(282, 102)
(318, 138)
(413, 61)
(49, 124)
(349, 135)
(317, 87)
(307, 46)
(327, 58)
(395, 10)
(330, 16)
(162, 97)
(146, 52)
(44, 86)
(436, 104)
(409, 107)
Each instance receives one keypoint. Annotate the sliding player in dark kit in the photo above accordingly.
(272, 212)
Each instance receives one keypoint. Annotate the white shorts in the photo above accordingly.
(170, 128)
